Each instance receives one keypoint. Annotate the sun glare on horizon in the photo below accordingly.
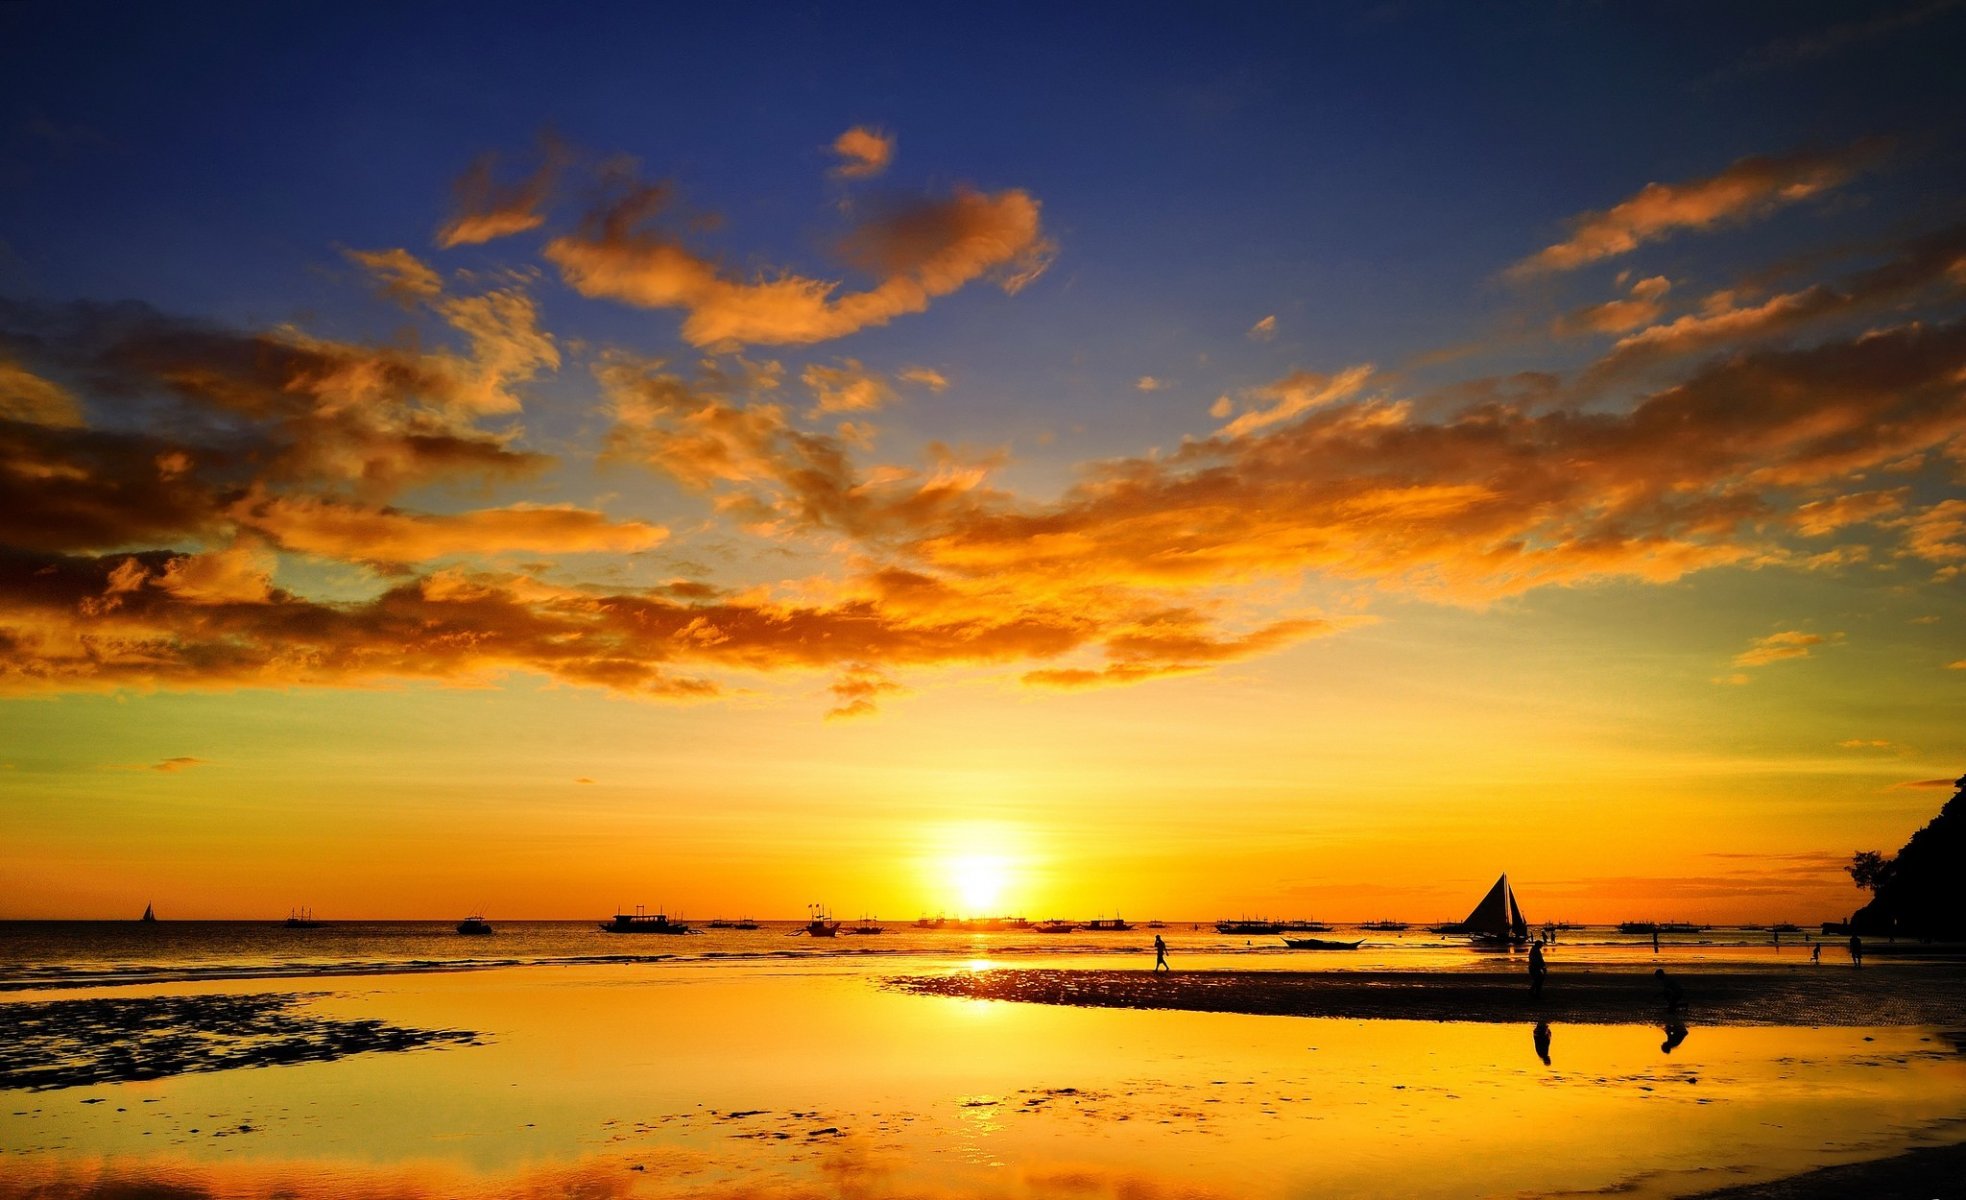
(980, 881)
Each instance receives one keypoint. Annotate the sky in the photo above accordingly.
(1179, 460)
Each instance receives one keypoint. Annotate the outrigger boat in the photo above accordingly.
(819, 924)
(1054, 926)
(869, 925)
(641, 922)
(1247, 926)
(1385, 926)
(1102, 925)
(1321, 944)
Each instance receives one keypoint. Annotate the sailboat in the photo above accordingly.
(149, 916)
(1497, 920)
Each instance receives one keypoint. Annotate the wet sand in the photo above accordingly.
(76, 1043)
(1932, 994)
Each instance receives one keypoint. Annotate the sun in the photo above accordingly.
(979, 881)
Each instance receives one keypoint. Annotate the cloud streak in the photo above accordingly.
(1748, 188)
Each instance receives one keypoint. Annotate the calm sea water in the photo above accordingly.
(65, 953)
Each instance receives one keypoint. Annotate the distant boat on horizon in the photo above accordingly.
(1385, 926)
(301, 918)
(475, 925)
(149, 916)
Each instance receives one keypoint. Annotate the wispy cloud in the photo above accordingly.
(1748, 188)
(1787, 644)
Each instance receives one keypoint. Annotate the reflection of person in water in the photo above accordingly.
(1675, 1034)
(1674, 996)
(1542, 1037)
(1537, 969)
(1856, 950)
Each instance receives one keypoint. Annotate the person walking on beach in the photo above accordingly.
(1160, 954)
(1655, 939)
(1857, 951)
(1816, 954)
(1537, 969)
(1674, 995)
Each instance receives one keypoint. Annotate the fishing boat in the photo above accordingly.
(1497, 921)
(1157, 924)
(929, 922)
(1102, 925)
(149, 916)
(301, 918)
(818, 924)
(1321, 944)
(1785, 927)
(1246, 927)
(641, 922)
(474, 925)
(1681, 927)
(1054, 926)
(1385, 926)
(1638, 927)
(744, 923)
(1307, 927)
(869, 925)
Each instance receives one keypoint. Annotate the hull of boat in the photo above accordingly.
(1321, 944)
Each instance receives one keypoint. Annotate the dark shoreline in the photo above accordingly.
(1933, 995)
(1924, 1173)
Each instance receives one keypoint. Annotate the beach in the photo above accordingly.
(987, 1068)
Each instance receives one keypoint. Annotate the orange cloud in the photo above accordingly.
(363, 533)
(1615, 316)
(25, 396)
(917, 253)
(1263, 330)
(1296, 394)
(488, 209)
(1789, 643)
(864, 153)
(1748, 188)
(403, 275)
(173, 765)
(847, 387)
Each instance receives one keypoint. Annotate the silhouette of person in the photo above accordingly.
(1675, 1034)
(1778, 941)
(1816, 953)
(1160, 954)
(1674, 995)
(1537, 969)
(1857, 950)
(1542, 1036)
(1655, 940)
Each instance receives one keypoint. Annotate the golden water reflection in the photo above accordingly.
(808, 1080)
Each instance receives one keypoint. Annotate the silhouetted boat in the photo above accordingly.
(1497, 921)
(1246, 927)
(1157, 925)
(820, 925)
(474, 925)
(1638, 927)
(1785, 927)
(1102, 925)
(301, 918)
(149, 916)
(1321, 944)
(745, 923)
(869, 925)
(1307, 927)
(1385, 926)
(1054, 926)
(640, 922)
